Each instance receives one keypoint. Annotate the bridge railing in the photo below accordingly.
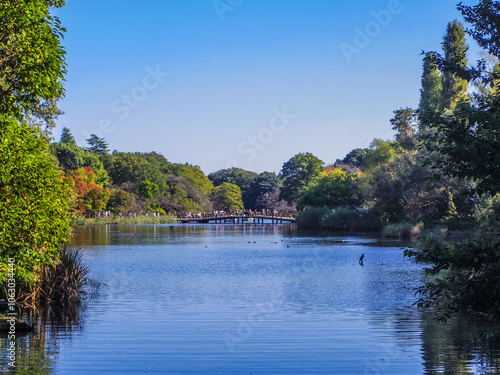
(244, 215)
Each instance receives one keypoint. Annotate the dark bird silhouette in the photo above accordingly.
(361, 258)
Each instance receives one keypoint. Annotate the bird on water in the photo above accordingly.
(361, 258)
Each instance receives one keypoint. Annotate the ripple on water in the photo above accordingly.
(250, 299)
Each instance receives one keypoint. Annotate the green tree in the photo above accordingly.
(464, 275)
(227, 197)
(69, 156)
(486, 23)
(67, 137)
(405, 123)
(34, 201)
(355, 157)
(122, 201)
(181, 187)
(148, 189)
(264, 183)
(463, 278)
(403, 190)
(297, 173)
(455, 58)
(97, 145)
(123, 167)
(332, 190)
(431, 91)
(32, 60)
(194, 175)
(381, 152)
(467, 138)
(237, 176)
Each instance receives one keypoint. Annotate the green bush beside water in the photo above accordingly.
(403, 230)
(464, 275)
(342, 218)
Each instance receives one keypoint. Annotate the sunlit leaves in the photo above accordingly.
(32, 65)
(34, 200)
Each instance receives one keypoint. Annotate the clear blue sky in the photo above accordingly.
(248, 83)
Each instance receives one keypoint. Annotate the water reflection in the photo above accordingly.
(237, 299)
(36, 352)
(461, 346)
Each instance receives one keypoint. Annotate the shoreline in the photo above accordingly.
(166, 219)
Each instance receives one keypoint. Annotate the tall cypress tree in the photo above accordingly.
(455, 60)
(431, 91)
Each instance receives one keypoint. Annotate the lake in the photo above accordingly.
(249, 299)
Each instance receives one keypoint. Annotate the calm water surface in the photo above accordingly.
(249, 299)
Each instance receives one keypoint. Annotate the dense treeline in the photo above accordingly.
(406, 183)
(128, 183)
(145, 183)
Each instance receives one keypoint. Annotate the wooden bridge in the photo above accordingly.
(236, 218)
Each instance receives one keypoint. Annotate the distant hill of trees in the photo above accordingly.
(147, 182)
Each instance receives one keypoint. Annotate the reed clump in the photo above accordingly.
(66, 282)
(403, 230)
(142, 219)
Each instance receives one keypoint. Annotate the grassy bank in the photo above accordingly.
(165, 219)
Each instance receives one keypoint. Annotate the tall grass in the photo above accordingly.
(341, 218)
(64, 282)
(403, 230)
(128, 220)
(310, 217)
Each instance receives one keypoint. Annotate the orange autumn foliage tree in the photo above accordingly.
(90, 196)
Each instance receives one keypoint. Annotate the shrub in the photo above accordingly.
(486, 212)
(403, 230)
(343, 218)
(311, 217)
(34, 202)
(464, 276)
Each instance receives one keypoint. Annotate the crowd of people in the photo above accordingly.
(244, 213)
